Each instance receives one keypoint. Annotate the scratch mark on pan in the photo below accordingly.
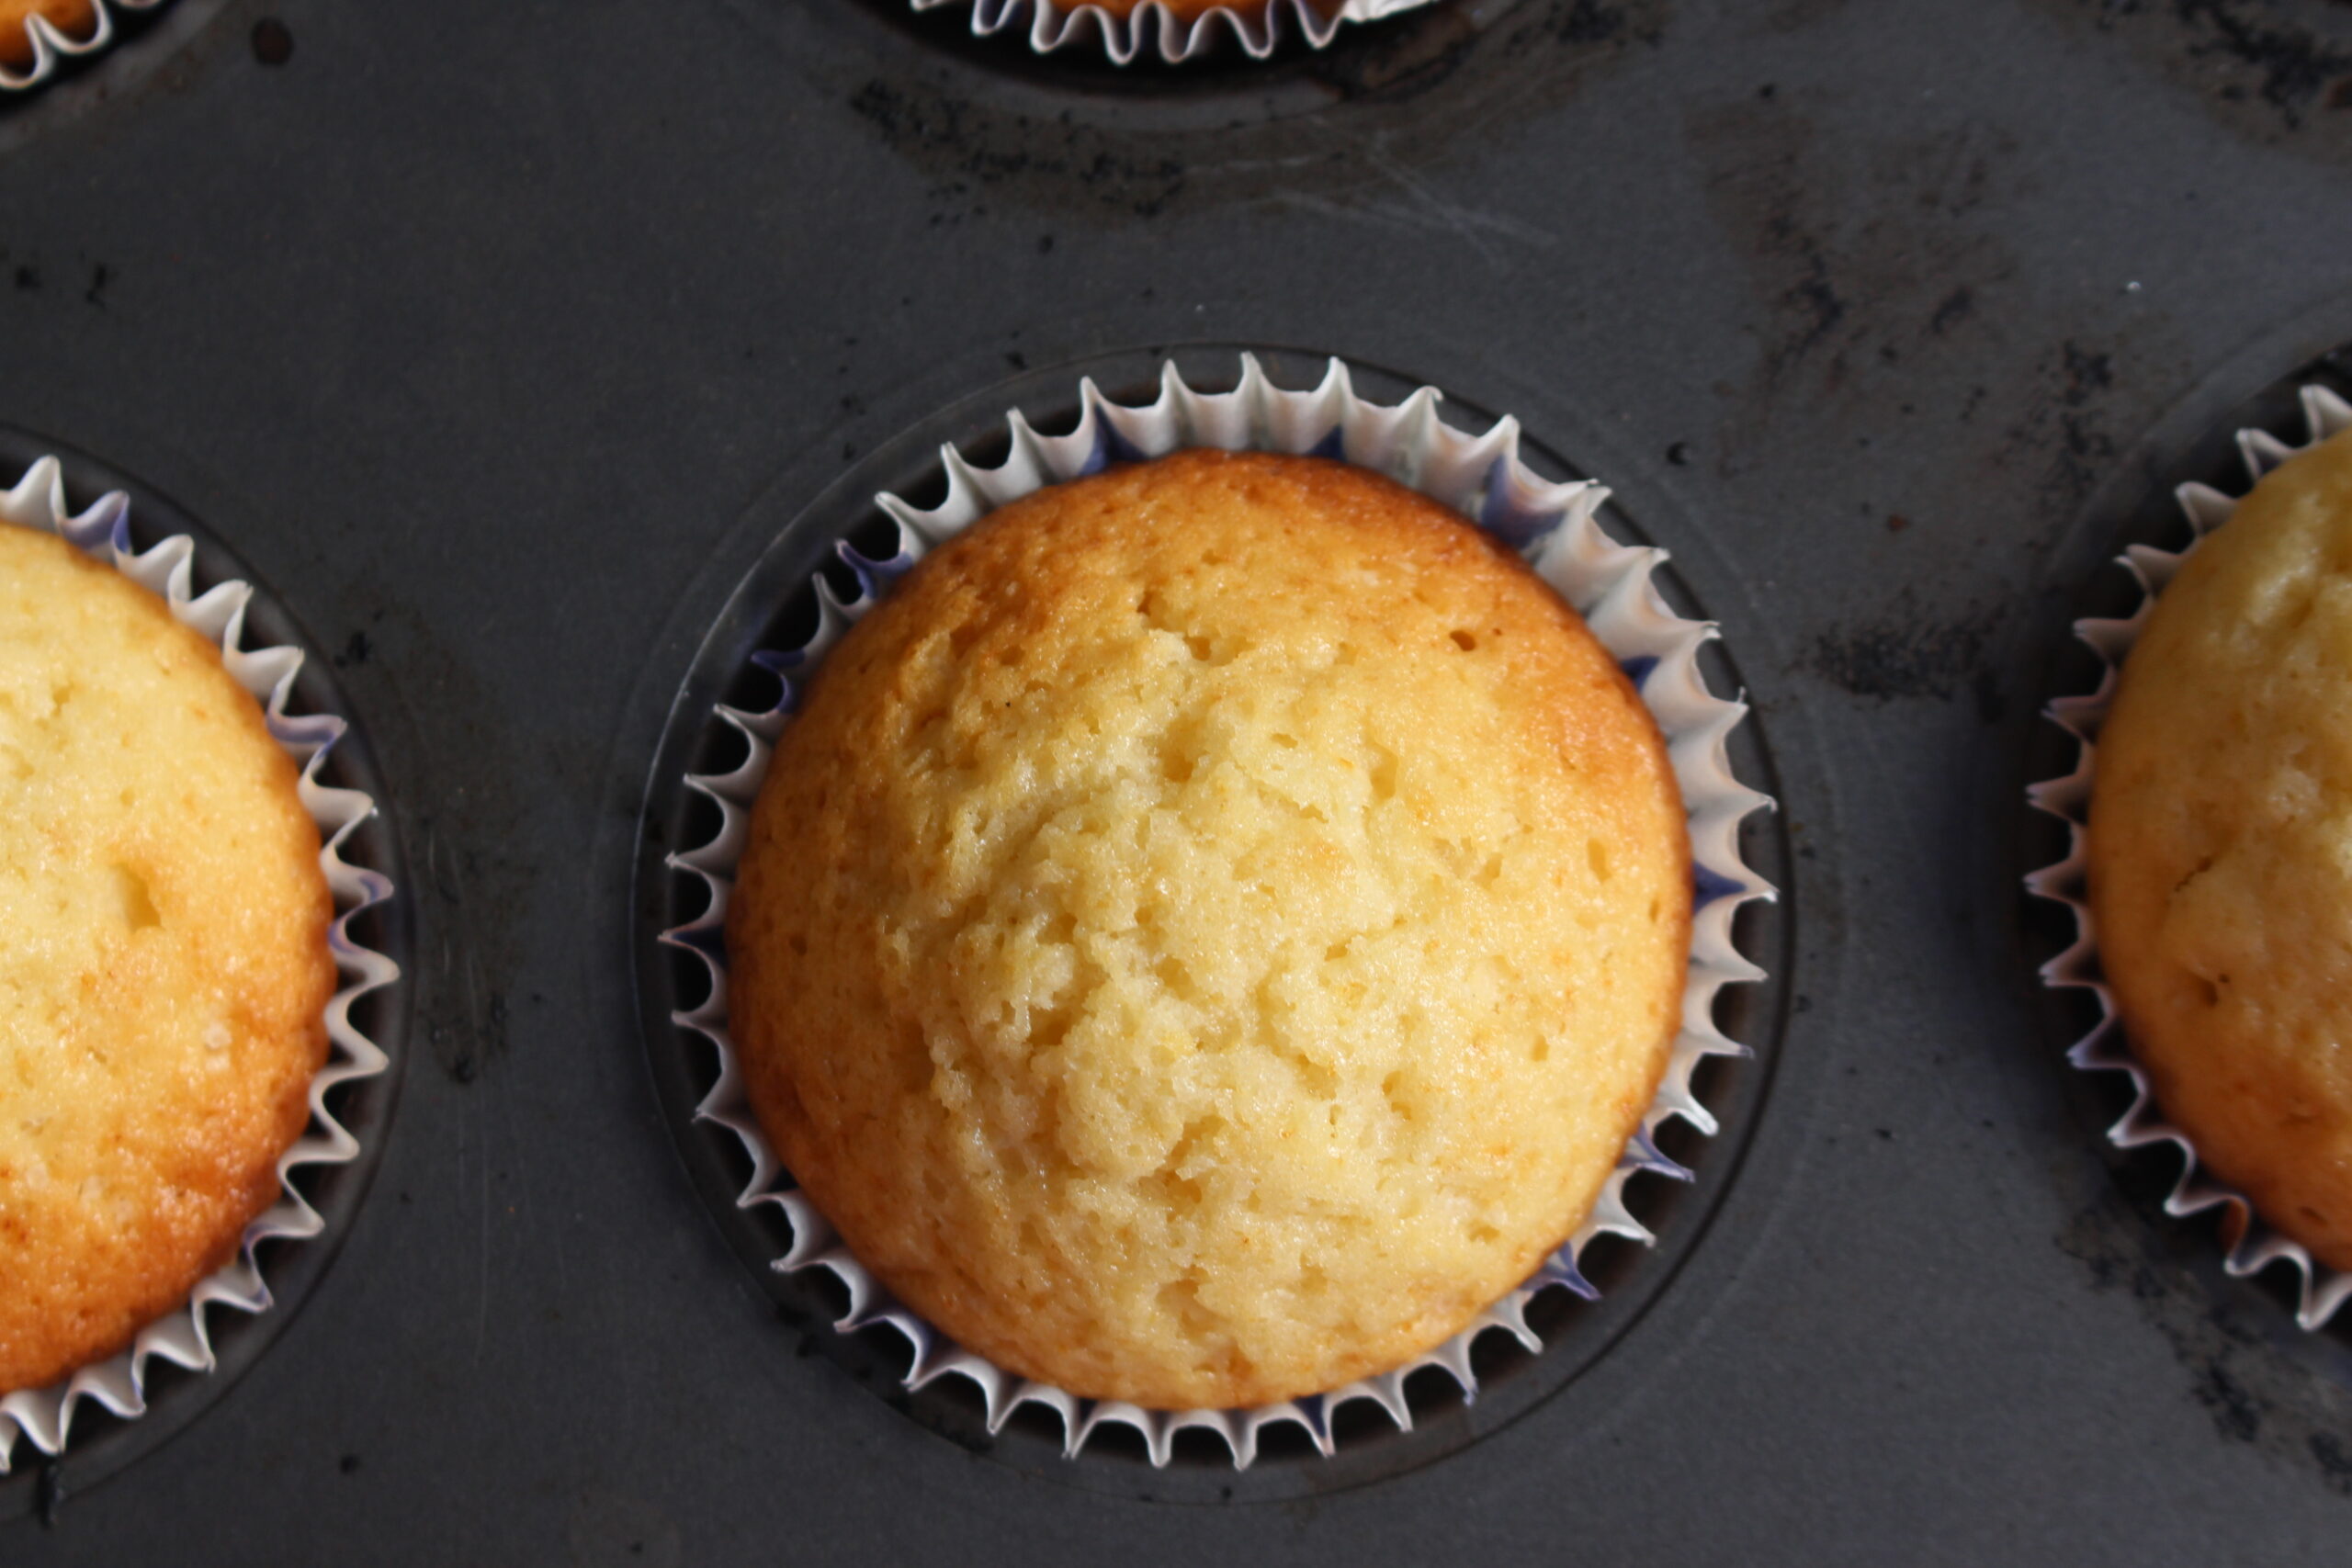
(1422, 208)
(1472, 226)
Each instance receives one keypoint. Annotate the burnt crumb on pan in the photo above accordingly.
(462, 1055)
(1906, 654)
(1415, 86)
(1589, 21)
(355, 651)
(2265, 67)
(2064, 423)
(1951, 310)
(2086, 374)
(973, 148)
(1875, 267)
(2234, 1409)
(273, 41)
(2294, 65)
(2243, 1360)
(2334, 1463)
(100, 276)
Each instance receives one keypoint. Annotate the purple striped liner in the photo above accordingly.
(44, 1417)
(52, 46)
(1258, 30)
(1483, 476)
(2104, 1049)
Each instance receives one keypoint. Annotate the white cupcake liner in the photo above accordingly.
(1257, 28)
(1555, 527)
(52, 47)
(2104, 1049)
(44, 1416)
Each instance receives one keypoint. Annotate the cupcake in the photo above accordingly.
(1303, 945)
(164, 926)
(2220, 850)
(178, 973)
(1212, 931)
(1182, 10)
(76, 19)
(1171, 30)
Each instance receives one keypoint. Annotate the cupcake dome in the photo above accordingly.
(1210, 931)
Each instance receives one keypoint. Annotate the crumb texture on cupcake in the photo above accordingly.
(163, 961)
(74, 18)
(1212, 931)
(2220, 850)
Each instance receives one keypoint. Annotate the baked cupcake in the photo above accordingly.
(1189, 10)
(75, 18)
(165, 963)
(2220, 850)
(1177, 31)
(1210, 931)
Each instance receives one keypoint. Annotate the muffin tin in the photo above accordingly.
(503, 343)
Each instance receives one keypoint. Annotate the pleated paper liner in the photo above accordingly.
(1155, 31)
(54, 47)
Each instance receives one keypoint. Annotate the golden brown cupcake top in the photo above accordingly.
(163, 961)
(1212, 931)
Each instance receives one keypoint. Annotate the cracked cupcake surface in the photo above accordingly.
(164, 968)
(2220, 850)
(1210, 931)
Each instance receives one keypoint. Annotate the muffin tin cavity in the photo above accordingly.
(993, 88)
(824, 564)
(58, 1440)
(2205, 484)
